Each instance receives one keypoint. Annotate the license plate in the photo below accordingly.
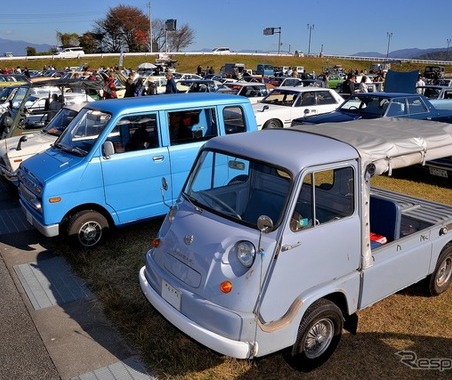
(438, 172)
(171, 295)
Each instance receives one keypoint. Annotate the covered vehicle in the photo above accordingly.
(283, 104)
(381, 104)
(14, 150)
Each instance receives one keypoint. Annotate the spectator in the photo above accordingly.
(130, 86)
(170, 84)
(363, 84)
(348, 87)
(54, 107)
(110, 92)
(420, 82)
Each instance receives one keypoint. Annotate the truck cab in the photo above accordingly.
(105, 169)
(278, 238)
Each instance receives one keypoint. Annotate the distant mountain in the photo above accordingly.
(403, 53)
(19, 48)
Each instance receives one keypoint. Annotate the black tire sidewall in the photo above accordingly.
(322, 309)
(433, 288)
(81, 218)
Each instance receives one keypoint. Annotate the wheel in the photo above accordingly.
(441, 277)
(87, 228)
(272, 123)
(318, 335)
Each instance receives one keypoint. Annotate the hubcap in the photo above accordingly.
(444, 272)
(90, 234)
(319, 338)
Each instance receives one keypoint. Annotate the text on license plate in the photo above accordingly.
(438, 172)
(171, 295)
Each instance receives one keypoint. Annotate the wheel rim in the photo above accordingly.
(90, 234)
(444, 272)
(318, 338)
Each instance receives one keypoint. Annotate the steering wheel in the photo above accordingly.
(222, 204)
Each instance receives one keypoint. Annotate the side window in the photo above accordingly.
(396, 108)
(192, 125)
(307, 99)
(416, 105)
(325, 196)
(325, 97)
(234, 120)
(135, 132)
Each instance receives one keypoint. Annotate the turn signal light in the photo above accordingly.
(55, 200)
(155, 243)
(226, 286)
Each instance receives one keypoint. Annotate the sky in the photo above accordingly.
(330, 26)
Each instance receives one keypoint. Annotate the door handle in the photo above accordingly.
(158, 158)
(286, 247)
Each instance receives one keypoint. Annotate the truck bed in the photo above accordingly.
(416, 213)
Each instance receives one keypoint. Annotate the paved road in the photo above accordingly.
(51, 325)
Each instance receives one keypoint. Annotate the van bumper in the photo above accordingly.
(225, 346)
(48, 231)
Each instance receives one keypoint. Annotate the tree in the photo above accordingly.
(124, 28)
(68, 39)
(91, 42)
(181, 38)
(31, 51)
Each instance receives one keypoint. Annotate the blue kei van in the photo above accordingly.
(106, 169)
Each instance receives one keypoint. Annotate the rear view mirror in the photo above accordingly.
(109, 149)
(265, 224)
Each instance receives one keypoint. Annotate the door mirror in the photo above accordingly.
(265, 224)
(109, 149)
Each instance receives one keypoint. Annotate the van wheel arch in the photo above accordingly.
(272, 124)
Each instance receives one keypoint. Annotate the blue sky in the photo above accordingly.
(339, 27)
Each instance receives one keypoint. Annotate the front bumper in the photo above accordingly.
(221, 344)
(48, 231)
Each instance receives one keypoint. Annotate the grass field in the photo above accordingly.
(189, 63)
(408, 320)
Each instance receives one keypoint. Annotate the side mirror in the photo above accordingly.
(108, 149)
(306, 111)
(265, 224)
(264, 108)
(21, 140)
(9, 121)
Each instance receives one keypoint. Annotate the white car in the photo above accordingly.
(15, 150)
(72, 52)
(283, 104)
(254, 91)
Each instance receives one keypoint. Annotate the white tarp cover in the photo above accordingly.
(391, 143)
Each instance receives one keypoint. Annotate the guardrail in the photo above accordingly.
(155, 54)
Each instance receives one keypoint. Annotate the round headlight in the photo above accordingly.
(246, 252)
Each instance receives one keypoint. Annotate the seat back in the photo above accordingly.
(385, 217)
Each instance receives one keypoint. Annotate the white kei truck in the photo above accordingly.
(278, 239)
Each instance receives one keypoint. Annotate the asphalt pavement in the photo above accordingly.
(51, 325)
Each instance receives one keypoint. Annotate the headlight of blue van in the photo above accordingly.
(246, 252)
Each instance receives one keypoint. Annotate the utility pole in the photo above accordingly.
(150, 28)
(447, 51)
(389, 34)
(310, 28)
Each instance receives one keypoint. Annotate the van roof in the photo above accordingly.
(165, 101)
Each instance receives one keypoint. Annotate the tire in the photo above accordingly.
(87, 228)
(272, 123)
(318, 335)
(441, 278)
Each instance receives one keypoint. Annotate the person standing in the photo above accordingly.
(363, 85)
(130, 86)
(110, 92)
(170, 84)
(348, 87)
(420, 82)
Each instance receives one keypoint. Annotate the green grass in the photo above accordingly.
(408, 320)
(189, 63)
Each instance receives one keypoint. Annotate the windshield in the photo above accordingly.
(281, 97)
(365, 105)
(60, 121)
(238, 188)
(82, 132)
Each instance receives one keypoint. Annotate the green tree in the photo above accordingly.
(68, 39)
(31, 51)
(91, 43)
